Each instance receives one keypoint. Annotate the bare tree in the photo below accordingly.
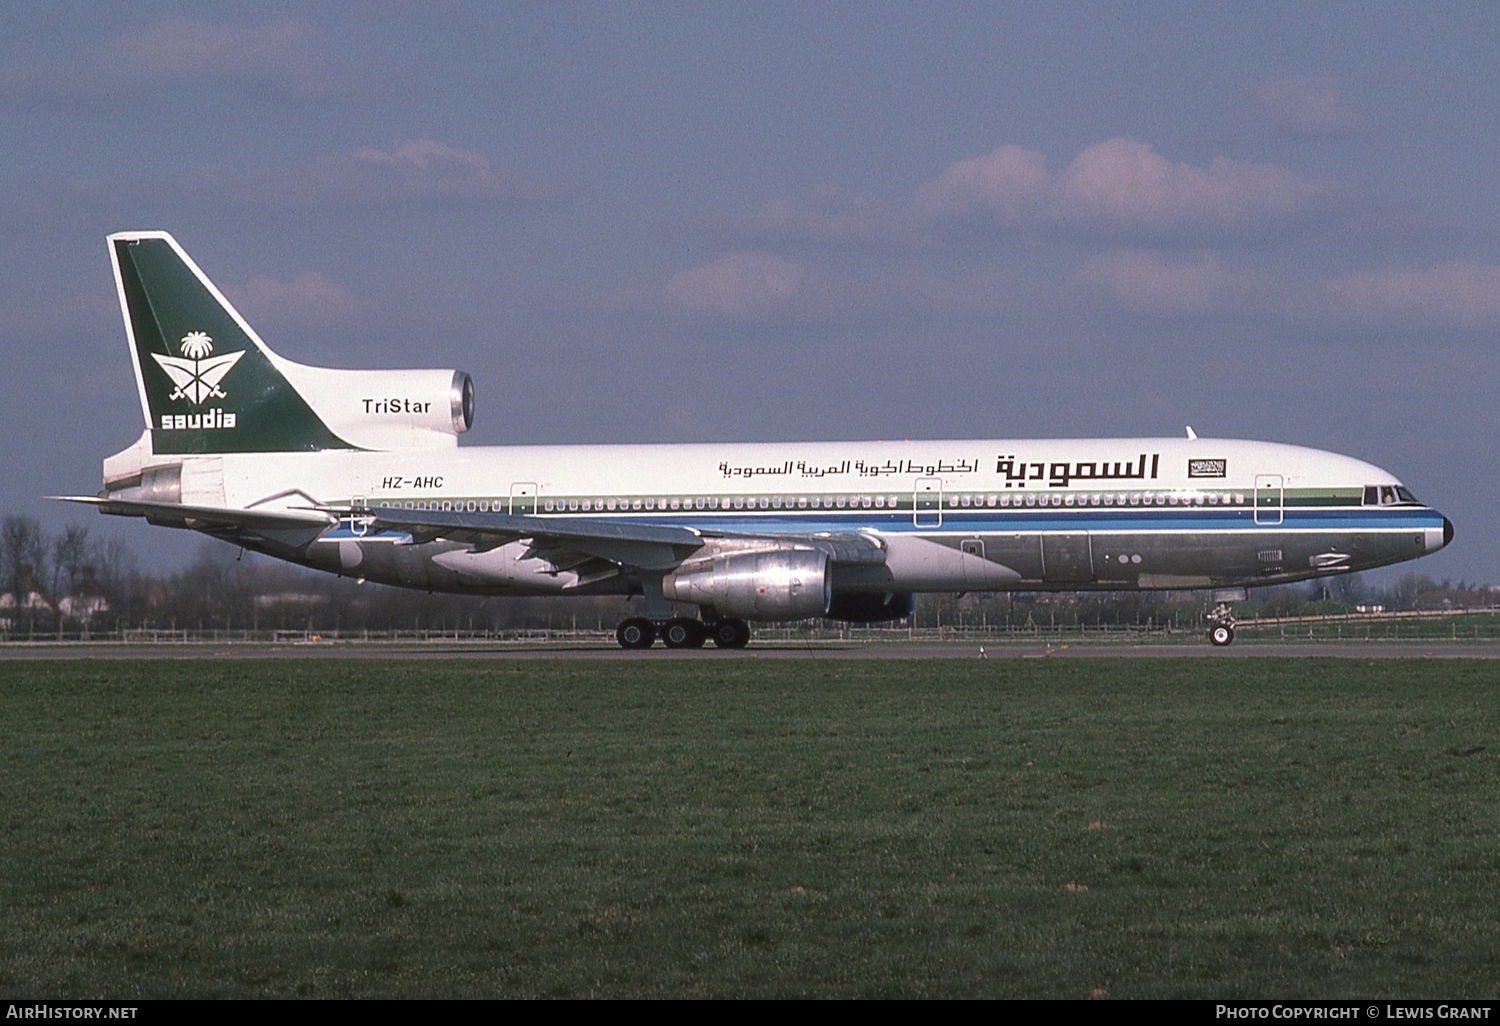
(23, 552)
(70, 555)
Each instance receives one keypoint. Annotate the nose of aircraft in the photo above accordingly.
(1433, 541)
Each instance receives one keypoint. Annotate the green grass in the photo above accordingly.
(1189, 828)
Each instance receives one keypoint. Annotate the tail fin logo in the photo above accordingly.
(197, 374)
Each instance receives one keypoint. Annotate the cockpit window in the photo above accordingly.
(1389, 495)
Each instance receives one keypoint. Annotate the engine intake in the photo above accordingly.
(786, 585)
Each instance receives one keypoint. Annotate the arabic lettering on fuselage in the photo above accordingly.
(1060, 474)
(860, 468)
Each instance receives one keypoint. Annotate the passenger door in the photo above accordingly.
(927, 502)
(523, 498)
(1269, 496)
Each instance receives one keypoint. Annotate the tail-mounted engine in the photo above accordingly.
(785, 585)
(388, 410)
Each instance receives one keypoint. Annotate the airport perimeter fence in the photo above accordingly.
(1431, 626)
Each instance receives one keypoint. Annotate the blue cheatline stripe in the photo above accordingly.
(1027, 521)
(990, 522)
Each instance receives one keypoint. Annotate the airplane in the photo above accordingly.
(359, 473)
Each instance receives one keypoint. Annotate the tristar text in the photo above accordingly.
(395, 405)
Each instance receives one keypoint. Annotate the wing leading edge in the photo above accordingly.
(567, 542)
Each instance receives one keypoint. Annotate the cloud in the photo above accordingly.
(412, 171)
(1150, 283)
(310, 300)
(754, 287)
(1309, 107)
(1115, 188)
(744, 286)
(276, 56)
(1010, 184)
(420, 169)
(83, 312)
(828, 214)
(1120, 187)
(1458, 293)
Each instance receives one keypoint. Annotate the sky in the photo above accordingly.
(667, 222)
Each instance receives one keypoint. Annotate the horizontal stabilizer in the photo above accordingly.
(285, 530)
(177, 515)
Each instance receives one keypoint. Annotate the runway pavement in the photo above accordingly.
(773, 650)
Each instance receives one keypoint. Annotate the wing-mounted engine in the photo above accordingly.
(791, 584)
(386, 409)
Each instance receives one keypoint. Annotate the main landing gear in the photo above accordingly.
(1221, 625)
(682, 632)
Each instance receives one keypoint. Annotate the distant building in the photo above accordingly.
(29, 600)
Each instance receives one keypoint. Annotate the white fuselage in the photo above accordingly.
(952, 515)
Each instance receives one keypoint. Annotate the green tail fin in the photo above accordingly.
(208, 384)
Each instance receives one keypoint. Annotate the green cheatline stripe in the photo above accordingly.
(835, 501)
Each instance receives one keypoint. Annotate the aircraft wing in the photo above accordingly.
(566, 542)
(594, 548)
(569, 542)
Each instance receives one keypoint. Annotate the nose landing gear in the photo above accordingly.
(1220, 625)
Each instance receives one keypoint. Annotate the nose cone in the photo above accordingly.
(1447, 530)
(1435, 539)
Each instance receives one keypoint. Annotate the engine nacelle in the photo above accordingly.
(786, 585)
(880, 608)
(387, 409)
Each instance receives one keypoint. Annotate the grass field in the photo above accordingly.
(1062, 828)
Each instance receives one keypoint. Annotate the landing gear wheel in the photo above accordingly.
(635, 632)
(1220, 625)
(730, 634)
(683, 633)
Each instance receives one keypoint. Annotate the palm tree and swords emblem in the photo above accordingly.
(195, 373)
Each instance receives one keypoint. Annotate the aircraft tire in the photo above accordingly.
(635, 632)
(683, 632)
(1220, 635)
(730, 634)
